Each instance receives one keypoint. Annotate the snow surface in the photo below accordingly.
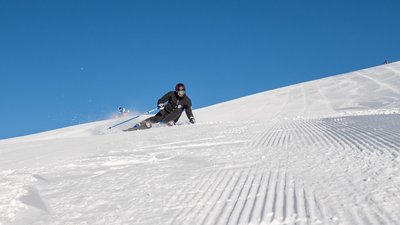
(319, 152)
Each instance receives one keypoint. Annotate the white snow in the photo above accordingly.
(319, 152)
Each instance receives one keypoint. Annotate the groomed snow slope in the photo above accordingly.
(320, 152)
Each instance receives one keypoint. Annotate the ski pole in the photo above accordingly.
(150, 111)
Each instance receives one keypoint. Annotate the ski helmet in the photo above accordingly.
(180, 87)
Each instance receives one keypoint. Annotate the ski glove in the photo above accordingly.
(161, 106)
(192, 120)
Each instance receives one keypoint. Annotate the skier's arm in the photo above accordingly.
(189, 113)
(164, 98)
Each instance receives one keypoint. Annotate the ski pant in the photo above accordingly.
(165, 117)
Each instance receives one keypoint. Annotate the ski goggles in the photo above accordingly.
(181, 92)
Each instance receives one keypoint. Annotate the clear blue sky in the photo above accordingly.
(67, 62)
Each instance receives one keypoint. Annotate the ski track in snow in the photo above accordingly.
(339, 168)
(280, 194)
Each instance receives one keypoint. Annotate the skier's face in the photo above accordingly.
(181, 93)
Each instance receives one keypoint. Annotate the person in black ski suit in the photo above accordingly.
(170, 112)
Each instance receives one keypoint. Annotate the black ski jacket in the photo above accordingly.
(176, 102)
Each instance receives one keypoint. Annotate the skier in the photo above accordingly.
(169, 113)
